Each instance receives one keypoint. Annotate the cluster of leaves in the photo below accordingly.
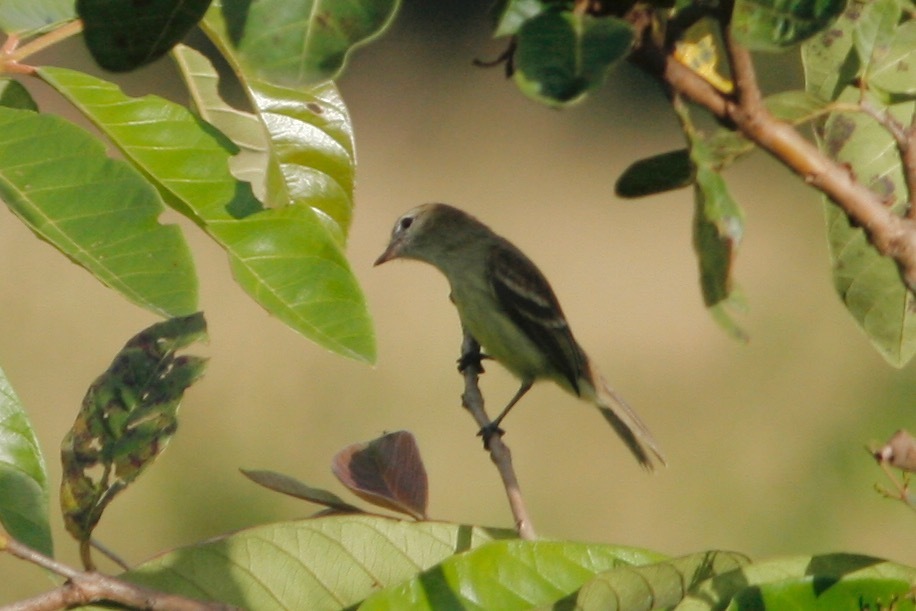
(273, 185)
(859, 95)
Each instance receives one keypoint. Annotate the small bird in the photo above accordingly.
(507, 305)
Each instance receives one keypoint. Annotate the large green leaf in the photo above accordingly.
(14, 95)
(98, 211)
(323, 563)
(507, 575)
(298, 43)
(125, 35)
(659, 585)
(828, 582)
(23, 478)
(288, 259)
(561, 55)
(29, 16)
(867, 42)
(771, 25)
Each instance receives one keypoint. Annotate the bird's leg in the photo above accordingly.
(493, 428)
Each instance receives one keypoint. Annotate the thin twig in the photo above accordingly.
(472, 399)
(85, 588)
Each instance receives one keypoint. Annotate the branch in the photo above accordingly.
(499, 453)
(85, 588)
(892, 235)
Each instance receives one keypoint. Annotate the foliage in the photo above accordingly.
(272, 184)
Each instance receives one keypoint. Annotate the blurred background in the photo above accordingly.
(765, 440)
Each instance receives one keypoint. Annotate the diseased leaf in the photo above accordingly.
(772, 25)
(664, 172)
(334, 562)
(28, 17)
(98, 211)
(23, 476)
(387, 472)
(507, 575)
(123, 36)
(285, 484)
(868, 283)
(894, 72)
(289, 259)
(127, 418)
(298, 43)
(562, 55)
(829, 59)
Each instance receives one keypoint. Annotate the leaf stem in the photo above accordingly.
(41, 43)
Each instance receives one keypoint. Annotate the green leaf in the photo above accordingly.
(831, 581)
(27, 17)
(874, 31)
(796, 107)
(868, 283)
(127, 418)
(285, 484)
(829, 59)
(14, 95)
(509, 15)
(288, 259)
(772, 25)
(334, 561)
(658, 585)
(123, 36)
(507, 575)
(560, 55)
(100, 212)
(23, 477)
(718, 221)
(298, 43)
(665, 172)
(894, 72)
(718, 226)
(254, 160)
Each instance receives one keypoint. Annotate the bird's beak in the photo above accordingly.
(391, 252)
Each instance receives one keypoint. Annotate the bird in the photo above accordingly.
(507, 305)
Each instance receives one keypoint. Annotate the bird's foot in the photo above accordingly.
(487, 432)
(472, 359)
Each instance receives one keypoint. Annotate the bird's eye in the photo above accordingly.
(406, 222)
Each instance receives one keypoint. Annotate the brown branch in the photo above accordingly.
(85, 588)
(472, 399)
(893, 236)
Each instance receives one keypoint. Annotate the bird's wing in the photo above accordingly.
(526, 297)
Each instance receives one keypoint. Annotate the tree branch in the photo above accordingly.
(472, 399)
(892, 235)
(85, 588)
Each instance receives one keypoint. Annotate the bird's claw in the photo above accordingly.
(472, 359)
(487, 432)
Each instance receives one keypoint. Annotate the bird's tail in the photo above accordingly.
(627, 424)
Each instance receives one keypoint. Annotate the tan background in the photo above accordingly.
(765, 440)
